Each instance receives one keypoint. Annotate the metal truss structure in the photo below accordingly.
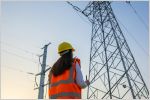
(113, 72)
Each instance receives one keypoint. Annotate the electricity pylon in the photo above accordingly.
(113, 72)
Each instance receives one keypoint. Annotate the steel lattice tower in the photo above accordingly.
(113, 70)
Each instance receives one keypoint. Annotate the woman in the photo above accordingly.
(65, 77)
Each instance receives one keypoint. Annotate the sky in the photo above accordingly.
(28, 25)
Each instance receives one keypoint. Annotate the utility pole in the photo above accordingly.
(42, 78)
(113, 71)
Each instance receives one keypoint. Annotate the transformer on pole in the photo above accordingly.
(113, 72)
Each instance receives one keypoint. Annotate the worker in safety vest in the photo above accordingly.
(65, 77)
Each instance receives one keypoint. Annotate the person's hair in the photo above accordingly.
(63, 63)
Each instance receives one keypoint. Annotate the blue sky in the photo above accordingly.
(27, 26)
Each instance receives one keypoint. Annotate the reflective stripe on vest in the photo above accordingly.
(71, 94)
(69, 80)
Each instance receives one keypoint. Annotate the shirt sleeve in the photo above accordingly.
(79, 77)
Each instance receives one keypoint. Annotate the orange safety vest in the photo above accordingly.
(64, 86)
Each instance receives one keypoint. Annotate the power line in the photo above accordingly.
(35, 46)
(78, 10)
(26, 72)
(22, 57)
(83, 19)
(26, 51)
(19, 70)
(35, 80)
(82, 11)
(139, 17)
(129, 33)
(31, 60)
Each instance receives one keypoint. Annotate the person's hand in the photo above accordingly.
(87, 82)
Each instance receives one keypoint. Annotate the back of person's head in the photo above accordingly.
(63, 63)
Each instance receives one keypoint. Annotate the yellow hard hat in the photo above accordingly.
(65, 46)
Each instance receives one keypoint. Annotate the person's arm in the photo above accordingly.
(79, 77)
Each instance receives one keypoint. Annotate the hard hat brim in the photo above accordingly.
(71, 49)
